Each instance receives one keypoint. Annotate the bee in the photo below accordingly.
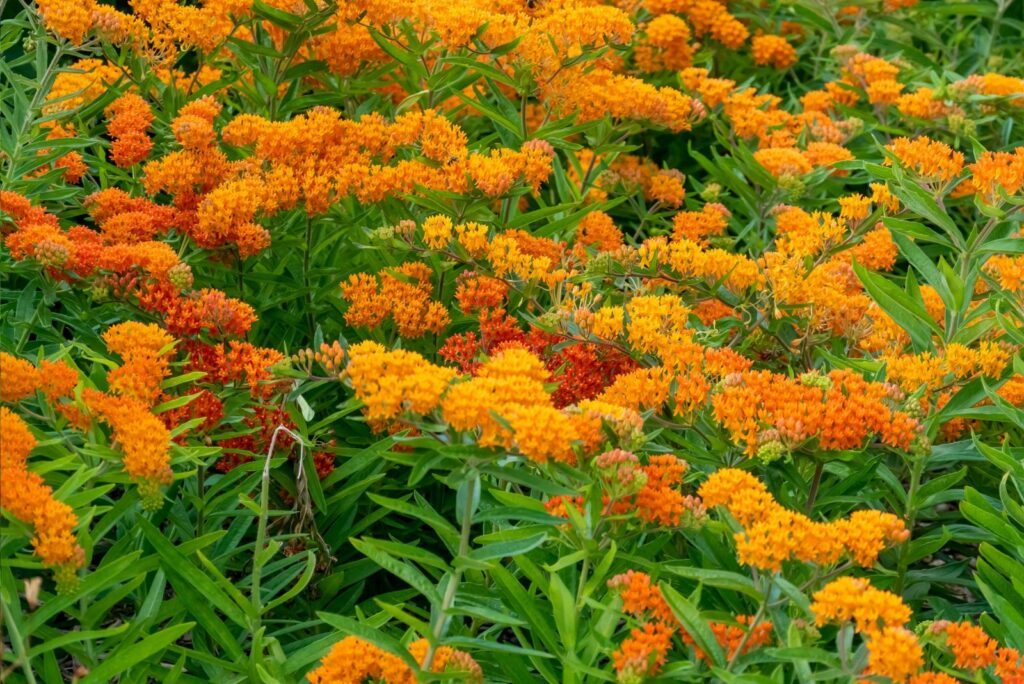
(532, 4)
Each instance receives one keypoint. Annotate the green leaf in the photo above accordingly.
(905, 312)
(412, 576)
(118, 663)
(504, 549)
(178, 567)
(695, 625)
(349, 627)
(564, 609)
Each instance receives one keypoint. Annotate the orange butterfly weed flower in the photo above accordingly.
(659, 500)
(665, 45)
(783, 161)
(404, 296)
(933, 161)
(996, 174)
(933, 678)
(141, 437)
(68, 19)
(853, 599)
(128, 118)
(773, 50)
(19, 379)
(644, 652)
(30, 500)
(393, 382)
(773, 534)
(697, 226)
(894, 652)
(144, 349)
(972, 648)
(352, 661)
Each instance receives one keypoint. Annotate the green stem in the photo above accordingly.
(812, 493)
(584, 571)
(306, 257)
(910, 515)
(261, 529)
(201, 491)
(441, 619)
(18, 645)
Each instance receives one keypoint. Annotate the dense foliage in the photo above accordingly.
(512, 340)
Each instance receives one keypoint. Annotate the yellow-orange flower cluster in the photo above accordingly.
(881, 617)
(773, 534)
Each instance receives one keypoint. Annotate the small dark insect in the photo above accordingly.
(532, 4)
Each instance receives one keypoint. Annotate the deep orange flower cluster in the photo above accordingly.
(353, 661)
(141, 437)
(155, 28)
(773, 50)
(650, 491)
(312, 159)
(128, 118)
(644, 652)
(403, 294)
(840, 410)
(773, 534)
(19, 379)
(30, 500)
(973, 649)
(932, 161)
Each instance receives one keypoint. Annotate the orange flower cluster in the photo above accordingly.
(697, 226)
(665, 45)
(510, 385)
(128, 117)
(312, 158)
(28, 499)
(353, 661)
(973, 649)
(840, 410)
(773, 50)
(601, 92)
(996, 175)
(881, 617)
(932, 161)
(773, 534)
(142, 438)
(597, 231)
(124, 257)
(644, 652)
(758, 115)
(19, 379)
(403, 294)
(155, 28)
(1008, 271)
(691, 260)
(650, 491)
